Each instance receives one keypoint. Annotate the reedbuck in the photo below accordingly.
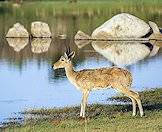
(93, 79)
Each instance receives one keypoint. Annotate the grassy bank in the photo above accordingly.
(100, 118)
(118, 122)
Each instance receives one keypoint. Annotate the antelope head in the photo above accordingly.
(64, 60)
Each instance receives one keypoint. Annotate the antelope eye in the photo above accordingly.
(62, 60)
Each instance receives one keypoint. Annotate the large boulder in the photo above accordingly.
(40, 30)
(18, 31)
(122, 25)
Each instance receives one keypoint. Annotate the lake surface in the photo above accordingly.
(27, 79)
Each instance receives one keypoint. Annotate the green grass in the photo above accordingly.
(100, 118)
(118, 122)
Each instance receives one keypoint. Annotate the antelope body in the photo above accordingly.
(92, 79)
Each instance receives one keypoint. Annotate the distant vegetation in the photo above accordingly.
(66, 18)
(21, 1)
(148, 1)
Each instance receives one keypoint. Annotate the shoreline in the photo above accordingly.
(68, 118)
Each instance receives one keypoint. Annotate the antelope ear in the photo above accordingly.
(71, 55)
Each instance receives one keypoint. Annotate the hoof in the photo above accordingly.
(143, 115)
(133, 115)
(81, 118)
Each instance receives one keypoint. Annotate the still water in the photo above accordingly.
(27, 79)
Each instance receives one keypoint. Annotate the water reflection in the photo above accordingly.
(40, 45)
(17, 43)
(123, 53)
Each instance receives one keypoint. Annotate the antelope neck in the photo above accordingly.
(69, 71)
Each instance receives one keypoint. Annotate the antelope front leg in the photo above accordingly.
(84, 102)
(140, 107)
(134, 106)
(81, 110)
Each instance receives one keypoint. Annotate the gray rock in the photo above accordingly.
(62, 36)
(122, 25)
(17, 30)
(81, 35)
(156, 31)
(40, 29)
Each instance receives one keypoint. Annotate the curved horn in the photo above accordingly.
(67, 52)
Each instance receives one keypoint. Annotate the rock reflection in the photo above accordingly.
(123, 53)
(17, 43)
(40, 45)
